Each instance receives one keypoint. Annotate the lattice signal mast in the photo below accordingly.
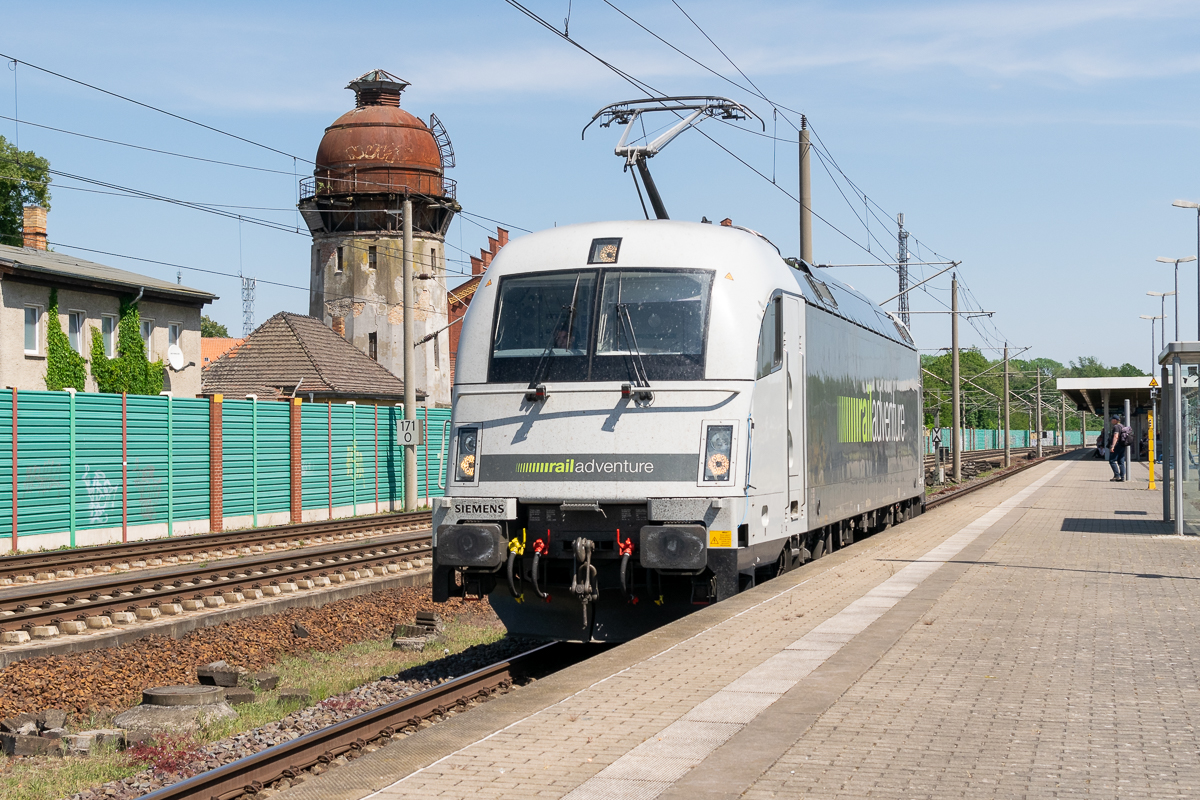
(248, 288)
(902, 262)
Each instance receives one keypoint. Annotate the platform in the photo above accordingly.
(1034, 639)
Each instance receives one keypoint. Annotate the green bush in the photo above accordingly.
(64, 367)
(131, 371)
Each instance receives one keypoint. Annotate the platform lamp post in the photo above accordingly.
(1153, 352)
(1162, 296)
(1190, 204)
(1176, 262)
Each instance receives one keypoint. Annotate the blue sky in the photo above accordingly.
(1041, 144)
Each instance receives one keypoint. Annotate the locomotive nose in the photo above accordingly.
(469, 546)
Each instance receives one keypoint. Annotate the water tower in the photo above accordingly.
(370, 159)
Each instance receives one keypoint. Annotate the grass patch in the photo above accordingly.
(322, 674)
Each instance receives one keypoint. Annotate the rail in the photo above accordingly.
(250, 774)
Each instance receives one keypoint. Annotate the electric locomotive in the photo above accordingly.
(654, 416)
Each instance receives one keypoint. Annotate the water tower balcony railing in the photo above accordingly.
(378, 182)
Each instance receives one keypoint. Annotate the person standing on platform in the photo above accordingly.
(1121, 436)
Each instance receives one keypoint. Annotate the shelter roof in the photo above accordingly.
(294, 354)
(1090, 394)
(464, 292)
(49, 265)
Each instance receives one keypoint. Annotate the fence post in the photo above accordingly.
(14, 469)
(124, 470)
(170, 462)
(253, 398)
(216, 480)
(352, 459)
(71, 460)
(376, 458)
(329, 471)
(297, 466)
(425, 439)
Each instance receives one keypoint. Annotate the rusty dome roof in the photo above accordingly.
(378, 146)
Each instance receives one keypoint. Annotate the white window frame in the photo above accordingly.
(37, 328)
(110, 342)
(72, 313)
(148, 338)
(175, 331)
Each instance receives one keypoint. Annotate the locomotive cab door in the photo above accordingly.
(768, 436)
(793, 341)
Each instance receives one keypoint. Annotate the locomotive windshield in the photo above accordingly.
(558, 327)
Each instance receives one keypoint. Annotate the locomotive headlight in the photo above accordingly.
(468, 455)
(718, 452)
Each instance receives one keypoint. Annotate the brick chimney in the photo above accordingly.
(34, 227)
(339, 326)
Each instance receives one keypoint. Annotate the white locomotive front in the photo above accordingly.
(652, 416)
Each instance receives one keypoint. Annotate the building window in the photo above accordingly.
(372, 257)
(108, 330)
(341, 259)
(437, 354)
(33, 326)
(147, 331)
(173, 333)
(373, 345)
(75, 330)
(433, 259)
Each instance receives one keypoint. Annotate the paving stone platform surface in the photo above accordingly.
(1034, 639)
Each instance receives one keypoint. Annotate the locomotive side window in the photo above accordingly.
(547, 314)
(770, 340)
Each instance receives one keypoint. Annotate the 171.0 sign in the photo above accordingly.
(409, 432)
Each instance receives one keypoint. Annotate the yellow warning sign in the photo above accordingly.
(720, 538)
(1153, 383)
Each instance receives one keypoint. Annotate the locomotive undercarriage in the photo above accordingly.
(585, 566)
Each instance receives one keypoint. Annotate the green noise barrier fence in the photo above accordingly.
(87, 468)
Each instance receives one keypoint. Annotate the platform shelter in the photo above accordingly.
(1130, 398)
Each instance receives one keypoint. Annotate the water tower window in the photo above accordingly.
(341, 259)
(433, 259)
(437, 354)
(372, 257)
(373, 343)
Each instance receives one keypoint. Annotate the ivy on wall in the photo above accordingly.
(131, 371)
(64, 367)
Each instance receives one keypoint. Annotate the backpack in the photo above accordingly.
(1126, 434)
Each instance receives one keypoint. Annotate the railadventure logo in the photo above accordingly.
(624, 467)
(870, 419)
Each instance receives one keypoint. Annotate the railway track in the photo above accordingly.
(946, 497)
(984, 455)
(250, 774)
(195, 586)
(71, 563)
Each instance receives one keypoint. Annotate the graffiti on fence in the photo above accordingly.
(147, 490)
(101, 495)
(45, 476)
(354, 462)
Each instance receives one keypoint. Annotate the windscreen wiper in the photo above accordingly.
(641, 388)
(536, 390)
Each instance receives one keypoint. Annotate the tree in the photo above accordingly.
(210, 328)
(24, 180)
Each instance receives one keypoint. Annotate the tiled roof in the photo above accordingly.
(50, 264)
(213, 347)
(291, 350)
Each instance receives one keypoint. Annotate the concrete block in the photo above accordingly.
(148, 613)
(24, 579)
(271, 591)
(294, 696)
(154, 562)
(15, 745)
(123, 617)
(366, 572)
(87, 741)
(99, 622)
(320, 580)
(192, 605)
(253, 594)
(233, 597)
(44, 576)
(65, 573)
(52, 718)
(304, 583)
(406, 565)
(44, 631)
(54, 733)
(104, 568)
(214, 601)
(171, 609)
(139, 563)
(287, 586)
(393, 567)
(73, 626)
(337, 577)
(15, 637)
